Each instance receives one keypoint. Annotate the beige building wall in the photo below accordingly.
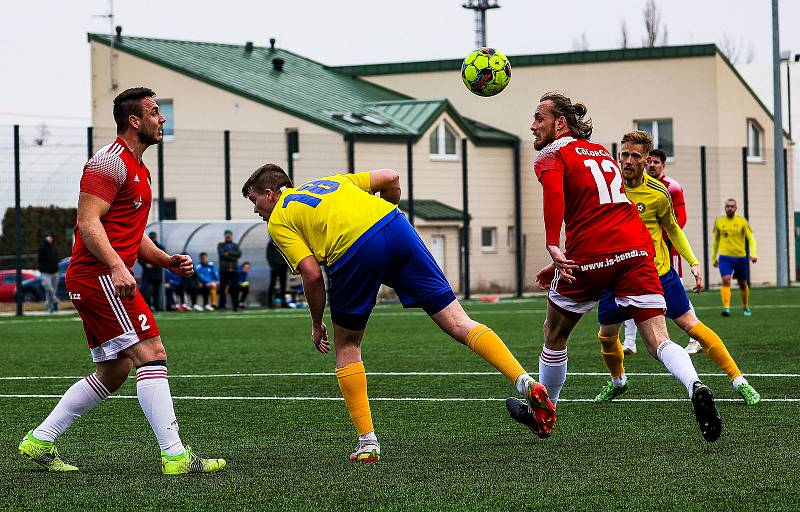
(452, 247)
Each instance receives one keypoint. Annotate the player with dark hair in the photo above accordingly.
(607, 248)
(654, 205)
(730, 233)
(113, 207)
(364, 241)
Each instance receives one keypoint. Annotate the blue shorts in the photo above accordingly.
(390, 253)
(609, 312)
(732, 266)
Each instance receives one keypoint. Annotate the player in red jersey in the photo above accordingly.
(608, 247)
(656, 162)
(113, 207)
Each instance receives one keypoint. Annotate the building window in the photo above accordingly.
(488, 239)
(755, 141)
(510, 238)
(661, 130)
(443, 142)
(167, 110)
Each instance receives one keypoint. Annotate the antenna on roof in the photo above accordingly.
(480, 7)
(112, 38)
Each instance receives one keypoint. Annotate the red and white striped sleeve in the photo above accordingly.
(104, 175)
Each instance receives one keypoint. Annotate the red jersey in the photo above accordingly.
(583, 188)
(114, 175)
(676, 193)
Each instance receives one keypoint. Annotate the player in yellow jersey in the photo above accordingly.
(653, 201)
(364, 241)
(730, 232)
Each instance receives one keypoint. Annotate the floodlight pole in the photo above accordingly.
(480, 7)
(781, 237)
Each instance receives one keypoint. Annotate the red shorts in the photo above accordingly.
(631, 276)
(111, 323)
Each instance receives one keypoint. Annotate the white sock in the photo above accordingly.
(522, 383)
(679, 364)
(553, 371)
(738, 381)
(369, 436)
(619, 381)
(79, 399)
(630, 332)
(152, 388)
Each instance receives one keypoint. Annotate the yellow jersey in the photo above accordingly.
(729, 236)
(325, 217)
(654, 204)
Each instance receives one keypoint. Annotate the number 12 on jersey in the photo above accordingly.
(608, 194)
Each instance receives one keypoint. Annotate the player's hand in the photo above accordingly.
(319, 335)
(753, 259)
(698, 278)
(562, 263)
(716, 263)
(123, 281)
(545, 276)
(181, 264)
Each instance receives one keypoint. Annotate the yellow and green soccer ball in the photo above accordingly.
(486, 72)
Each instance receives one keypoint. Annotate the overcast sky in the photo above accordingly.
(45, 57)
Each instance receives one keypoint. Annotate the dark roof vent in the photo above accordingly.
(248, 46)
(118, 28)
(277, 64)
(271, 43)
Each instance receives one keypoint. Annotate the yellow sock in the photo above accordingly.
(745, 296)
(725, 291)
(484, 342)
(213, 296)
(715, 348)
(353, 383)
(611, 349)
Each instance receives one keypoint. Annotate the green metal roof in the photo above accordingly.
(305, 88)
(548, 59)
(430, 209)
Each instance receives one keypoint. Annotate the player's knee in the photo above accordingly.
(554, 338)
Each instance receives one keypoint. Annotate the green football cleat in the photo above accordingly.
(748, 394)
(187, 462)
(610, 392)
(43, 453)
(747, 312)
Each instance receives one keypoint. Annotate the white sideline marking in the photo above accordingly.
(397, 374)
(401, 399)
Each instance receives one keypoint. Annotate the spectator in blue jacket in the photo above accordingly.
(244, 283)
(175, 289)
(208, 278)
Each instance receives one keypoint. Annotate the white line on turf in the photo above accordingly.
(401, 399)
(393, 374)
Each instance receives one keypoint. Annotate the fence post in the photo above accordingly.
(518, 219)
(351, 152)
(162, 292)
(614, 150)
(786, 210)
(17, 222)
(226, 139)
(292, 143)
(410, 167)
(746, 205)
(704, 211)
(89, 142)
(465, 219)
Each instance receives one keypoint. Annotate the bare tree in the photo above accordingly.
(751, 54)
(580, 44)
(652, 25)
(624, 38)
(41, 137)
(734, 49)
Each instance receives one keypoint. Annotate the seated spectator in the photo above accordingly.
(175, 291)
(244, 283)
(208, 280)
(277, 269)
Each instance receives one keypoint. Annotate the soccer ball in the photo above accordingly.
(486, 72)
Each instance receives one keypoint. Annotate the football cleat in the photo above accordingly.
(366, 451)
(537, 412)
(610, 392)
(726, 311)
(748, 394)
(629, 349)
(747, 312)
(693, 347)
(187, 462)
(43, 453)
(705, 412)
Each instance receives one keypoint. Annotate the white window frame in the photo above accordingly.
(440, 132)
(654, 133)
(759, 145)
(511, 238)
(493, 246)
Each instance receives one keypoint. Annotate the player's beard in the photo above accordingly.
(542, 143)
(151, 138)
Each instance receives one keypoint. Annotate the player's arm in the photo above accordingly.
(554, 208)
(314, 289)
(679, 205)
(181, 264)
(387, 182)
(751, 241)
(669, 222)
(715, 244)
(90, 210)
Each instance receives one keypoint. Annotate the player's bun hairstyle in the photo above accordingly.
(659, 154)
(268, 176)
(639, 137)
(129, 103)
(574, 114)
